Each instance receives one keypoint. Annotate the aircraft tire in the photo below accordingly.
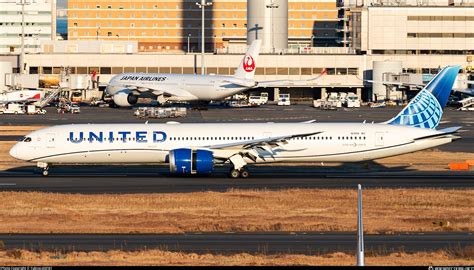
(234, 173)
(244, 173)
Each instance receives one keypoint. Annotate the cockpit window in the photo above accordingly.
(26, 139)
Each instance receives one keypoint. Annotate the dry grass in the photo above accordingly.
(385, 211)
(17, 130)
(158, 257)
(6, 161)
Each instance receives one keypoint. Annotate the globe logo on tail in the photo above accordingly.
(249, 63)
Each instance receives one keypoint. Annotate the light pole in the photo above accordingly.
(272, 6)
(215, 44)
(22, 48)
(98, 32)
(37, 44)
(202, 6)
(189, 37)
(312, 38)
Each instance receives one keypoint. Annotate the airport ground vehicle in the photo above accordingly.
(98, 102)
(64, 106)
(325, 104)
(156, 112)
(196, 148)
(242, 103)
(335, 99)
(76, 97)
(352, 101)
(284, 100)
(257, 100)
(467, 104)
(75, 108)
(32, 109)
(11, 108)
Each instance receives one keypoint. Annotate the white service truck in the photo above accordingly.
(12, 108)
(32, 109)
(352, 101)
(284, 100)
(257, 100)
(264, 96)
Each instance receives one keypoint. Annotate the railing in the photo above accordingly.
(298, 50)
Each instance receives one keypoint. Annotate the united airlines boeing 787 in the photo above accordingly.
(197, 148)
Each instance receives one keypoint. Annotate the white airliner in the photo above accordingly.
(22, 96)
(126, 88)
(197, 148)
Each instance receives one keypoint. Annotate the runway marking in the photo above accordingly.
(7, 184)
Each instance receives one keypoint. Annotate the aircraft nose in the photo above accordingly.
(14, 152)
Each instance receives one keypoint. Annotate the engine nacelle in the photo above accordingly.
(188, 161)
(125, 98)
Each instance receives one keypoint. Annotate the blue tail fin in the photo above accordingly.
(426, 108)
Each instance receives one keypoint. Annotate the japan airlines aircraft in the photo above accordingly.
(197, 148)
(22, 96)
(126, 88)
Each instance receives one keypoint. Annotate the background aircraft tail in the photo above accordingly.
(426, 108)
(246, 69)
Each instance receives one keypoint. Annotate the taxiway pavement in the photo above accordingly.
(311, 243)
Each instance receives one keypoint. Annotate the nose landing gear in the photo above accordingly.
(45, 168)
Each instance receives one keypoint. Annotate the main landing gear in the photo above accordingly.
(243, 173)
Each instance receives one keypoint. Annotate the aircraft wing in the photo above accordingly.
(240, 82)
(270, 141)
(397, 83)
(157, 91)
(281, 83)
(468, 91)
(252, 149)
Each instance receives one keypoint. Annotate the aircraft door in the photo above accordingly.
(50, 137)
(379, 139)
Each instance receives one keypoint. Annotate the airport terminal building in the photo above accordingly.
(173, 24)
(40, 23)
(387, 43)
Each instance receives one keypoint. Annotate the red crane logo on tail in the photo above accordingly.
(249, 63)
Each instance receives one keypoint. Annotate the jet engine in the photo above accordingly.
(188, 161)
(125, 98)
